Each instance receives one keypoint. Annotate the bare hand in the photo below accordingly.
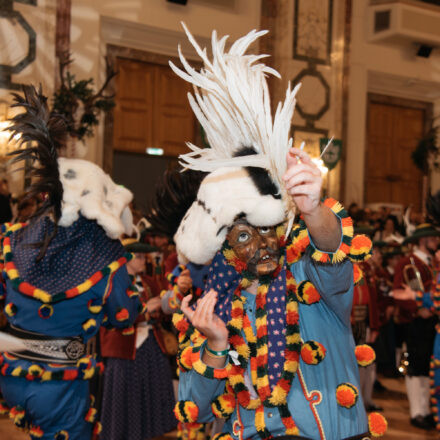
(153, 304)
(303, 180)
(206, 321)
(424, 313)
(404, 294)
(184, 281)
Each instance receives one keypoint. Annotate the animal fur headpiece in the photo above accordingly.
(71, 186)
(247, 158)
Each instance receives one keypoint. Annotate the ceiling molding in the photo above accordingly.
(149, 38)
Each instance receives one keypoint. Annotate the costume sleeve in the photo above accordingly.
(201, 386)
(334, 282)
(122, 302)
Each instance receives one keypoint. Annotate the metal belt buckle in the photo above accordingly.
(75, 349)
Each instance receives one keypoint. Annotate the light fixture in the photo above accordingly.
(154, 151)
(6, 143)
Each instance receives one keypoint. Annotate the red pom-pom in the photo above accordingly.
(378, 424)
(365, 355)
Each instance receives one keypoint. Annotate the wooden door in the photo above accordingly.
(393, 132)
(152, 109)
(133, 112)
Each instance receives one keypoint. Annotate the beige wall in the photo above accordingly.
(133, 23)
(387, 69)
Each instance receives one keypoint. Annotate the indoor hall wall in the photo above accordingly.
(88, 42)
(386, 69)
(14, 43)
(316, 61)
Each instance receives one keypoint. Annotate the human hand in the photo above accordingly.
(405, 293)
(153, 305)
(424, 313)
(184, 281)
(303, 181)
(206, 321)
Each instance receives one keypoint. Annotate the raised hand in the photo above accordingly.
(206, 321)
(303, 181)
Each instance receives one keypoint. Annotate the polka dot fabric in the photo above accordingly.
(223, 278)
(84, 247)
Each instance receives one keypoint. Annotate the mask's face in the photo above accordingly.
(258, 247)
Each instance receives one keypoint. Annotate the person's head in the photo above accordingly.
(376, 256)
(390, 224)
(257, 247)
(160, 241)
(428, 244)
(137, 264)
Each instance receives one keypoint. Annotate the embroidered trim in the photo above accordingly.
(85, 368)
(347, 235)
(314, 398)
(45, 297)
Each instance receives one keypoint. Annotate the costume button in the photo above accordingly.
(270, 415)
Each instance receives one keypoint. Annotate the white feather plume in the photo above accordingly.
(232, 103)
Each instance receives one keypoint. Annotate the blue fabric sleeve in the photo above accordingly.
(118, 303)
(427, 300)
(333, 281)
(200, 390)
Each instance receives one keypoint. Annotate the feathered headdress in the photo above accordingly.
(45, 133)
(174, 195)
(232, 103)
(70, 186)
(248, 148)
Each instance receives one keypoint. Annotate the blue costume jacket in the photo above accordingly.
(312, 400)
(80, 284)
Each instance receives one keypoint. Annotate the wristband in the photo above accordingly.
(217, 353)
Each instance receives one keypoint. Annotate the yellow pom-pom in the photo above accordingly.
(378, 424)
(365, 355)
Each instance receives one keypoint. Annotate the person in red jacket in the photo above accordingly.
(365, 326)
(419, 321)
(138, 397)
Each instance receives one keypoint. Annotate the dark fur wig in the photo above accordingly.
(174, 196)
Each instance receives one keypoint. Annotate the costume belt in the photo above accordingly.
(365, 436)
(43, 348)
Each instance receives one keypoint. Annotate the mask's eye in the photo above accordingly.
(264, 230)
(243, 237)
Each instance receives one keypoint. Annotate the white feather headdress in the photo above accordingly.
(232, 103)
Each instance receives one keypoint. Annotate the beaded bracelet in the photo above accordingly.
(217, 353)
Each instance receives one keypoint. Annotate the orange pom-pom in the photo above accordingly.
(185, 358)
(365, 355)
(346, 395)
(312, 352)
(378, 424)
(186, 411)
